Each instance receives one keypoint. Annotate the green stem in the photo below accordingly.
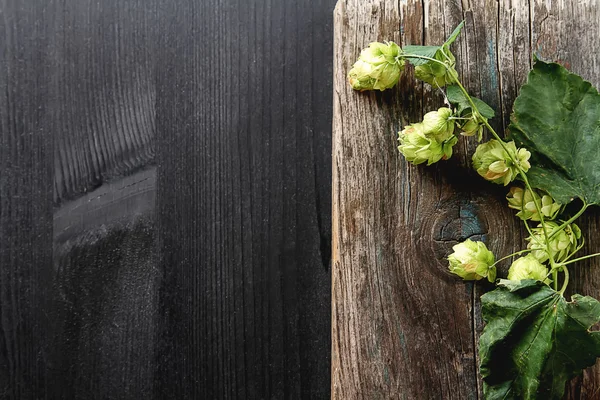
(519, 169)
(528, 228)
(516, 253)
(404, 55)
(566, 281)
(515, 162)
(578, 259)
(569, 221)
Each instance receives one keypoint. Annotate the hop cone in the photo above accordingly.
(472, 261)
(495, 164)
(561, 245)
(378, 68)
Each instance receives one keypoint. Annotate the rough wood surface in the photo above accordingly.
(402, 327)
(25, 201)
(165, 226)
(243, 122)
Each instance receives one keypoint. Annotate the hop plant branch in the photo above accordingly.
(554, 266)
(552, 243)
(370, 73)
(525, 180)
(578, 259)
(569, 221)
(521, 172)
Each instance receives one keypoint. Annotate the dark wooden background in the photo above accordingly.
(165, 180)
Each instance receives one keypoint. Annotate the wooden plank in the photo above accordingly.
(204, 276)
(25, 201)
(243, 124)
(102, 119)
(203, 273)
(402, 327)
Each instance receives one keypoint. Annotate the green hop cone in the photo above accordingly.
(417, 147)
(378, 68)
(472, 261)
(523, 201)
(562, 244)
(474, 126)
(528, 267)
(436, 74)
(438, 124)
(495, 164)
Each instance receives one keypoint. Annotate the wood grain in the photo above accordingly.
(105, 333)
(402, 326)
(165, 199)
(26, 146)
(104, 92)
(106, 263)
(243, 123)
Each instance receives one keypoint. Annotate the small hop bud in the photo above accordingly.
(561, 246)
(438, 124)
(417, 147)
(378, 68)
(436, 74)
(474, 126)
(495, 164)
(472, 261)
(523, 200)
(528, 267)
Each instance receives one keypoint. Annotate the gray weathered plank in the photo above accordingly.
(25, 201)
(402, 327)
(204, 274)
(243, 188)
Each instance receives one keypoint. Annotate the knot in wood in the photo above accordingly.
(455, 221)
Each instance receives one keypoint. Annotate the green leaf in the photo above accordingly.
(557, 118)
(535, 341)
(457, 97)
(454, 34)
(431, 51)
(425, 51)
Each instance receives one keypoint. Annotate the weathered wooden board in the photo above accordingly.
(102, 341)
(165, 226)
(402, 326)
(243, 120)
(25, 201)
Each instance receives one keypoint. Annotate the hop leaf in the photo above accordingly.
(417, 146)
(561, 245)
(556, 117)
(528, 267)
(378, 68)
(535, 341)
(458, 98)
(523, 200)
(472, 261)
(495, 164)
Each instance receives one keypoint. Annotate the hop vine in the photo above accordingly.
(534, 340)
